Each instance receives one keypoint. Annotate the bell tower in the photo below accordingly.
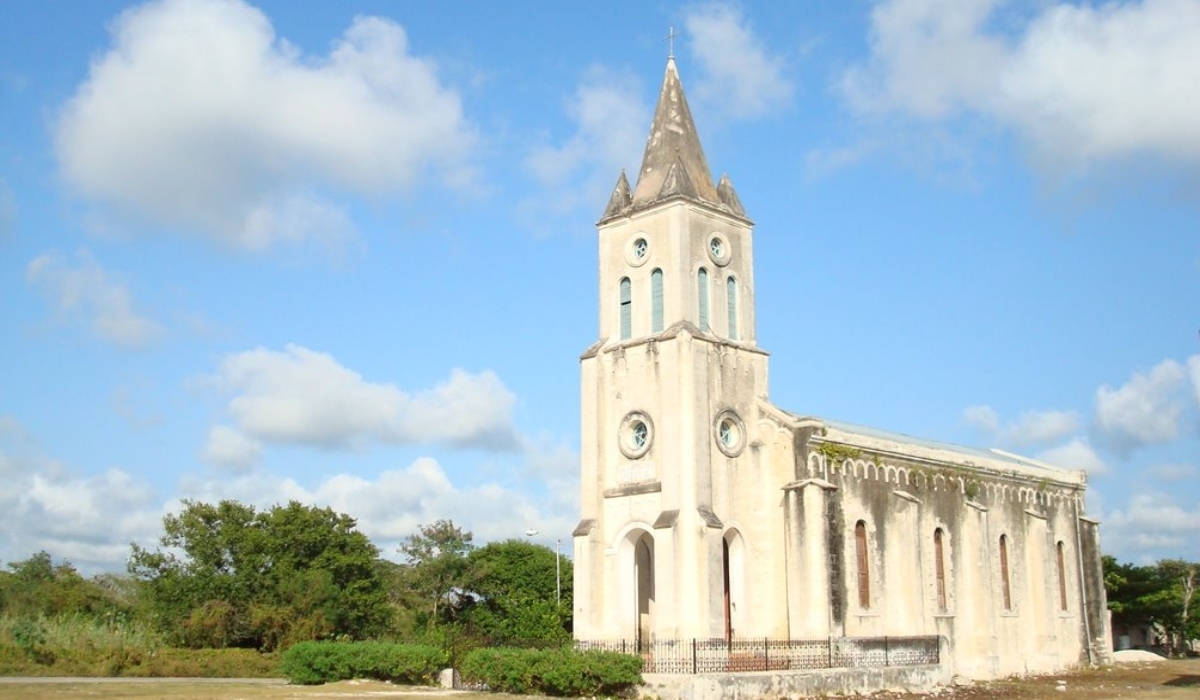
(669, 396)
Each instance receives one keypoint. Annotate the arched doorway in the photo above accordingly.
(643, 576)
(732, 569)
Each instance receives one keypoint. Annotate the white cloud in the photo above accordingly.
(199, 117)
(1030, 428)
(1081, 84)
(88, 520)
(738, 76)
(299, 396)
(391, 506)
(983, 418)
(1041, 427)
(82, 291)
(230, 448)
(610, 127)
(1152, 526)
(1144, 411)
(1074, 454)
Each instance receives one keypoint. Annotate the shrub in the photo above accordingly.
(563, 672)
(310, 663)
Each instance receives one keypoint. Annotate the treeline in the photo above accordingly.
(1162, 596)
(228, 575)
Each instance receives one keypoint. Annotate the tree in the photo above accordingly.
(436, 561)
(1181, 623)
(228, 575)
(37, 586)
(1163, 595)
(514, 585)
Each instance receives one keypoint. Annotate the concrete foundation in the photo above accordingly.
(792, 684)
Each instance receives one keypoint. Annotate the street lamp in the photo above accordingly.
(531, 532)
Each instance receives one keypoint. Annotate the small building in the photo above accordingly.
(709, 513)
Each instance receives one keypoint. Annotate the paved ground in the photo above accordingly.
(1163, 680)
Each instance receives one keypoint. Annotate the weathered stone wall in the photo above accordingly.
(1032, 607)
(747, 686)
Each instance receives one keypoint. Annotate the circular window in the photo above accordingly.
(636, 435)
(718, 249)
(638, 251)
(730, 433)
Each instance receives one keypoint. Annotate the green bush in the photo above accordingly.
(562, 672)
(310, 663)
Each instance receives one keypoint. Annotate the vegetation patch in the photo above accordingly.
(312, 663)
(561, 672)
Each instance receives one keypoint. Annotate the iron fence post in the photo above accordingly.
(887, 656)
(693, 656)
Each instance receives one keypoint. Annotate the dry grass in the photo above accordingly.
(216, 689)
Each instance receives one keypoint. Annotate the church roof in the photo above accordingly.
(996, 459)
(673, 165)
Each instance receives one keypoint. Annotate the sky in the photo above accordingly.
(344, 253)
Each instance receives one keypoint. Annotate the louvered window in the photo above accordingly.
(939, 569)
(864, 572)
(1062, 578)
(731, 304)
(702, 296)
(1005, 590)
(626, 309)
(656, 301)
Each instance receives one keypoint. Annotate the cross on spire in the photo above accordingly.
(670, 37)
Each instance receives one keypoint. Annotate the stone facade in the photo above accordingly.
(710, 513)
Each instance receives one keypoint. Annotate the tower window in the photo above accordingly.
(1005, 590)
(939, 569)
(656, 301)
(731, 304)
(730, 433)
(626, 309)
(640, 248)
(702, 298)
(864, 573)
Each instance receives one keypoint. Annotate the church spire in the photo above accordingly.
(673, 142)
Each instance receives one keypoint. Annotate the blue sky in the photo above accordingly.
(344, 252)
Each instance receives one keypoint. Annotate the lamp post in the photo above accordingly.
(532, 532)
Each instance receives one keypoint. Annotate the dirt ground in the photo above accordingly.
(1164, 680)
(1161, 680)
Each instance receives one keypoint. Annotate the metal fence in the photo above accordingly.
(725, 656)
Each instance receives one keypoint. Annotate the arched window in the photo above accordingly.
(939, 569)
(1005, 591)
(864, 572)
(1062, 577)
(702, 297)
(656, 302)
(626, 309)
(731, 304)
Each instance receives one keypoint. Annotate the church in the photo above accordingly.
(709, 513)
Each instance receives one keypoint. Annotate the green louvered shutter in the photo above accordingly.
(626, 310)
(731, 302)
(656, 302)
